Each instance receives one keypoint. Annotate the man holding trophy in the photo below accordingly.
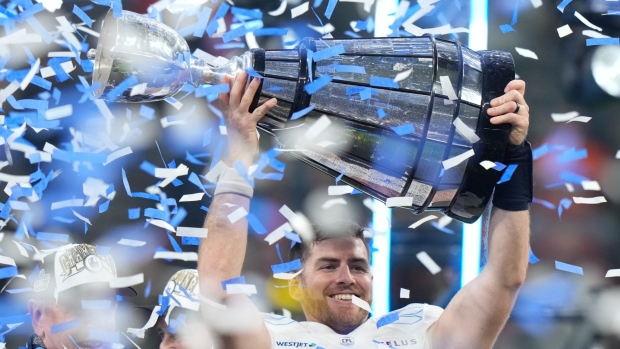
(336, 268)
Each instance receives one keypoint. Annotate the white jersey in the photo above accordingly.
(404, 328)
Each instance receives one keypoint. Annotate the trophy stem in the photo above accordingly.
(203, 73)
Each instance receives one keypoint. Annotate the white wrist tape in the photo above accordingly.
(231, 182)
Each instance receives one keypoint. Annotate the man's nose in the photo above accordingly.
(345, 276)
(169, 342)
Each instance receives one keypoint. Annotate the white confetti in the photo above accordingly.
(564, 30)
(447, 164)
(422, 221)
(569, 187)
(488, 164)
(465, 131)
(64, 24)
(215, 172)
(526, 53)
(245, 289)
(594, 200)
(447, 88)
(127, 281)
(333, 202)
(339, 190)
(563, 117)
(288, 213)
(86, 220)
(404, 293)
(139, 89)
(300, 10)
(360, 303)
(591, 185)
(612, 273)
(8, 91)
(586, 22)
(19, 38)
(536, 3)
(286, 276)
(184, 256)
(278, 234)
(132, 243)
(192, 232)
(317, 128)
(237, 215)
(67, 203)
(428, 262)
(7, 260)
(191, 197)
(403, 75)
(618, 154)
(118, 154)
(594, 34)
(326, 29)
(59, 112)
(280, 10)
(399, 201)
(162, 224)
(31, 73)
(444, 221)
(51, 5)
(583, 119)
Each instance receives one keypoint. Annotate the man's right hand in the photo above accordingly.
(240, 123)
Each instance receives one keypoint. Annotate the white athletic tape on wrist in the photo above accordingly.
(231, 182)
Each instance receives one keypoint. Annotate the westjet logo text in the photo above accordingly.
(295, 344)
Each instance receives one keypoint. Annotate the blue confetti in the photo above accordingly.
(147, 112)
(404, 129)
(9, 320)
(292, 236)
(499, 166)
(134, 213)
(8, 272)
(352, 34)
(65, 326)
(296, 115)
(515, 14)
(572, 155)
(147, 289)
(286, 267)
(157, 214)
(247, 13)
(344, 68)
(253, 73)
(120, 88)
(381, 113)
(602, 41)
(330, 8)
(237, 280)
(318, 84)
(195, 180)
(564, 204)
(271, 32)
(387, 319)
(328, 53)
(206, 138)
(36, 25)
(506, 28)
(203, 19)
(234, 33)
(64, 238)
(540, 151)
(563, 5)
(104, 206)
(383, 82)
(83, 16)
(443, 229)
(507, 174)
(572, 177)
(569, 268)
(547, 204)
(117, 8)
(255, 224)
(190, 240)
(533, 259)
(178, 217)
(339, 177)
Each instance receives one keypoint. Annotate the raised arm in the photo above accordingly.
(479, 311)
(222, 252)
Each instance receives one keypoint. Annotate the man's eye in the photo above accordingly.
(329, 266)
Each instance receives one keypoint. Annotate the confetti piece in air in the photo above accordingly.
(564, 117)
(127, 281)
(583, 119)
(428, 262)
(280, 10)
(345, 68)
(286, 267)
(532, 258)
(404, 129)
(586, 22)
(564, 30)
(318, 84)
(162, 224)
(602, 41)
(506, 28)
(564, 205)
(572, 155)
(563, 5)
(360, 303)
(590, 201)
(237, 215)
(333, 202)
(83, 16)
(545, 203)
(245, 289)
(454, 161)
(399, 201)
(388, 319)
(300, 10)
(618, 154)
(613, 273)
(65, 326)
(339, 190)
(404, 293)
(328, 53)
(488, 164)
(184, 256)
(465, 131)
(287, 276)
(568, 268)
(296, 115)
(329, 10)
(526, 53)
(507, 175)
(381, 113)
(422, 221)
(447, 88)
(278, 233)
(192, 232)
(191, 197)
(132, 243)
(203, 19)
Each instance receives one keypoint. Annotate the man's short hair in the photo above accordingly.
(337, 230)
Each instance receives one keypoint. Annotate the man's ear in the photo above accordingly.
(36, 309)
(293, 288)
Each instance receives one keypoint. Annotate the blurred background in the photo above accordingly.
(555, 309)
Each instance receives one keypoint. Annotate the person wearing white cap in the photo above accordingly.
(177, 319)
(73, 304)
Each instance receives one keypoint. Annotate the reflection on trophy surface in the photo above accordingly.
(381, 111)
